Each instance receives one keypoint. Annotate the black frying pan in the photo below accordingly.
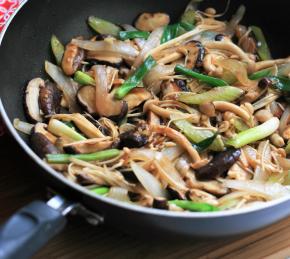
(23, 50)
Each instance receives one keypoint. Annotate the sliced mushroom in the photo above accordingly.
(175, 194)
(31, 102)
(49, 98)
(72, 58)
(88, 146)
(136, 97)
(160, 203)
(94, 58)
(195, 54)
(106, 104)
(152, 21)
(133, 139)
(87, 99)
(42, 142)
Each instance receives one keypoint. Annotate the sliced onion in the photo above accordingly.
(119, 194)
(152, 42)
(236, 19)
(156, 75)
(284, 120)
(22, 126)
(140, 42)
(237, 69)
(65, 84)
(110, 46)
(268, 190)
(149, 182)
(265, 153)
(172, 152)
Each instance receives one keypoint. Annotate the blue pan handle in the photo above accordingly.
(29, 229)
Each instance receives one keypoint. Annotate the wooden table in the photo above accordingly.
(19, 185)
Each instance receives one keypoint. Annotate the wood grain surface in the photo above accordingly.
(19, 185)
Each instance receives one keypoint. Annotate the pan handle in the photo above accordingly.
(32, 227)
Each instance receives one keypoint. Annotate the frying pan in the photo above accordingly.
(25, 46)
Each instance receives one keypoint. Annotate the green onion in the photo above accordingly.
(205, 144)
(98, 156)
(213, 81)
(60, 129)
(128, 35)
(281, 83)
(263, 49)
(197, 135)
(100, 190)
(170, 32)
(261, 74)
(83, 78)
(287, 148)
(188, 17)
(240, 125)
(194, 206)
(227, 94)
(133, 81)
(103, 27)
(57, 49)
(254, 134)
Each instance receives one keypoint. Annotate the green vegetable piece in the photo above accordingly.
(226, 93)
(213, 81)
(103, 27)
(254, 134)
(261, 74)
(197, 135)
(59, 128)
(83, 78)
(187, 26)
(136, 78)
(194, 206)
(240, 125)
(128, 35)
(98, 156)
(100, 190)
(57, 49)
(281, 83)
(170, 32)
(287, 148)
(205, 144)
(188, 17)
(263, 49)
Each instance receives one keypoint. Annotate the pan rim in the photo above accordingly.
(119, 204)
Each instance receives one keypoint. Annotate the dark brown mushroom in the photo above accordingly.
(72, 58)
(99, 59)
(31, 100)
(160, 203)
(219, 165)
(42, 142)
(106, 104)
(194, 60)
(87, 146)
(86, 97)
(133, 139)
(49, 99)
(175, 194)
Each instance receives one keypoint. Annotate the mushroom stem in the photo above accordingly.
(179, 139)
(226, 106)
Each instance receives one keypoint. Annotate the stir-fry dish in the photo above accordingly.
(186, 115)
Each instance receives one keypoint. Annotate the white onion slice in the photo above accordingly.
(140, 42)
(115, 47)
(152, 42)
(270, 190)
(119, 194)
(22, 126)
(65, 84)
(149, 182)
